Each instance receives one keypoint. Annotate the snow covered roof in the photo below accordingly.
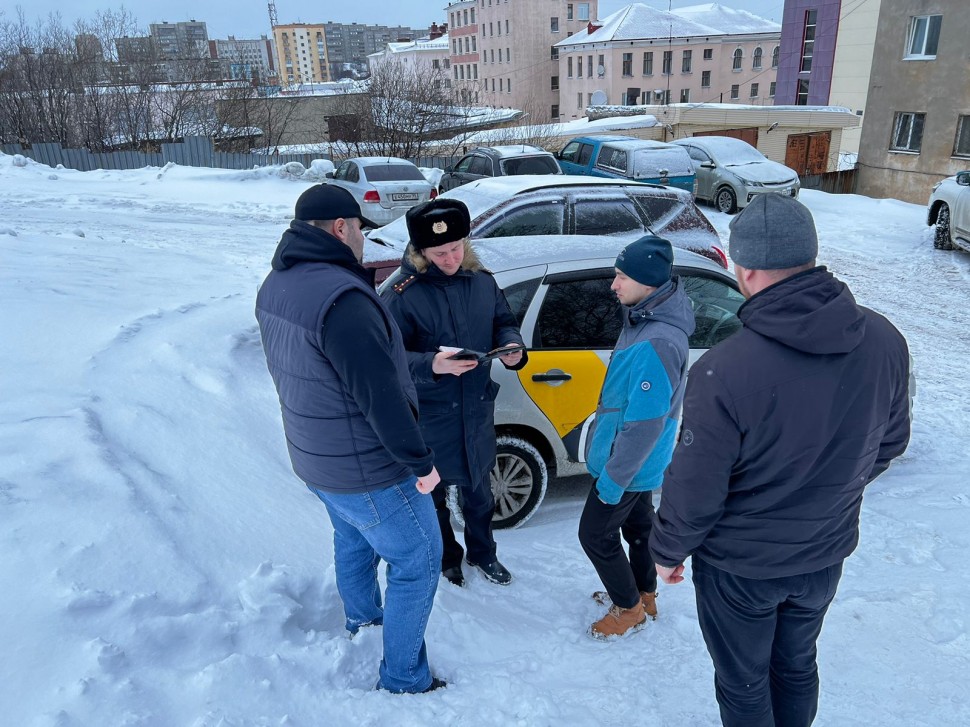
(729, 20)
(639, 21)
(422, 44)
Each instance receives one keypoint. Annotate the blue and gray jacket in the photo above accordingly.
(632, 437)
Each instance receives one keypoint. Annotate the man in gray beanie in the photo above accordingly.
(785, 423)
(632, 436)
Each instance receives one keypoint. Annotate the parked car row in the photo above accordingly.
(723, 171)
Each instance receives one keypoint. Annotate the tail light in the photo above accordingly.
(721, 257)
(372, 196)
(434, 193)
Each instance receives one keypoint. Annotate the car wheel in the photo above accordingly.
(726, 201)
(941, 237)
(519, 481)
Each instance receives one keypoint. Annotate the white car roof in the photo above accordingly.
(517, 150)
(376, 161)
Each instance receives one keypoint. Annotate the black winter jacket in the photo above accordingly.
(338, 362)
(784, 425)
(464, 310)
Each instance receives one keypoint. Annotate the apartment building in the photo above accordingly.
(518, 64)
(245, 59)
(349, 44)
(641, 55)
(422, 55)
(464, 58)
(301, 53)
(176, 41)
(917, 120)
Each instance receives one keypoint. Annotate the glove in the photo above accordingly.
(608, 491)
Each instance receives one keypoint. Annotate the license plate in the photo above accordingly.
(404, 197)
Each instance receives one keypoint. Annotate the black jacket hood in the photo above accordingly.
(811, 312)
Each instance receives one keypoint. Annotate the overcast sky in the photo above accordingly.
(250, 18)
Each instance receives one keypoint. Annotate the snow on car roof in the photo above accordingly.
(507, 150)
(373, 161)
(726, 149)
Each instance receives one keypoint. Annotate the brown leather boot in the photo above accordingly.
(649, 601)
(619, 622)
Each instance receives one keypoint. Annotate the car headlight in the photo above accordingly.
(750, 183)
(937, 186)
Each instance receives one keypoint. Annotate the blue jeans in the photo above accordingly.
(761, 635)
(397, 524)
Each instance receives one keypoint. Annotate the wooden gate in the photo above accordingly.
(808, 153)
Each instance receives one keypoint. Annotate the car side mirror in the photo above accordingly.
(708, 165)
(329, 175)
(963, 179)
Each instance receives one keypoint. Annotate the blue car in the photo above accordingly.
(624, 157)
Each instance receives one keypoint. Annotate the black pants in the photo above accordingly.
(761, 635)
(599, 534)
(477, 508)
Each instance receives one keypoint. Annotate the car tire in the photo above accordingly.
(726, 201)
(941, 236)
(519, 481)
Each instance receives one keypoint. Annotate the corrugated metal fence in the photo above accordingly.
(194, 151)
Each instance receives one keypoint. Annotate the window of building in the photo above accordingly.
(506, 26)
(774, 57)
(589, 66)
(908, 131)
(754, 90)
(808, 41)
(554, 25)
(491, 30)
(492, 51)
(447, 62)
(508, 55)
(627, 64)
(493, 85)
(771, 90)
(668, 62)
(579, 100)
(569, 11)
(648, 63)
(685, 95)
(736, 65)
(756, 59)
(555, 111)
(569, 67)
(801, 92)
(473, 16)
(582, 11)
(499, 55)
(924, 37)
(685, 62)
(554, 54)
(474, 40)
(708, 54)
(735, 91)
(961, 147)
(436, 64)
(500, 84)
(579, 66)
(705, 79)
(508, 85)
(475, 71)
(555, 83)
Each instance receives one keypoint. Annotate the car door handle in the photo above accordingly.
(559, 376)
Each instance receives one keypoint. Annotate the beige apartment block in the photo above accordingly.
(917, 121)
(640, 55)
(852, 67)
(301, 51)
(518, 63)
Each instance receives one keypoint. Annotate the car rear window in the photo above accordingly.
(393, 173)
(530, 165)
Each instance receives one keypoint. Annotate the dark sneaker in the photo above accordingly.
(494, 571)
(454, 576)
(436, 683)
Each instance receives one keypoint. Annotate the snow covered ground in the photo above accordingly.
(162, 565)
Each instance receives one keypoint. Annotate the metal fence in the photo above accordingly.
(194, 151)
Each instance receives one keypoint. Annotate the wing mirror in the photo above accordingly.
(963, 179)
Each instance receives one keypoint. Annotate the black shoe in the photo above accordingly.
(436, 683)
(494, 571)
(454, 576)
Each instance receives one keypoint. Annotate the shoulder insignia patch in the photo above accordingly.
(401, 285)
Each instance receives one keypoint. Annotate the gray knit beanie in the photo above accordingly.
(773, 232)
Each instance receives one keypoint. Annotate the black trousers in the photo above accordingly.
(600, 527)
(477, 508)
(761, 636)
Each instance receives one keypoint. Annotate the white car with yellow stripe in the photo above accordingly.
(570, 321)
